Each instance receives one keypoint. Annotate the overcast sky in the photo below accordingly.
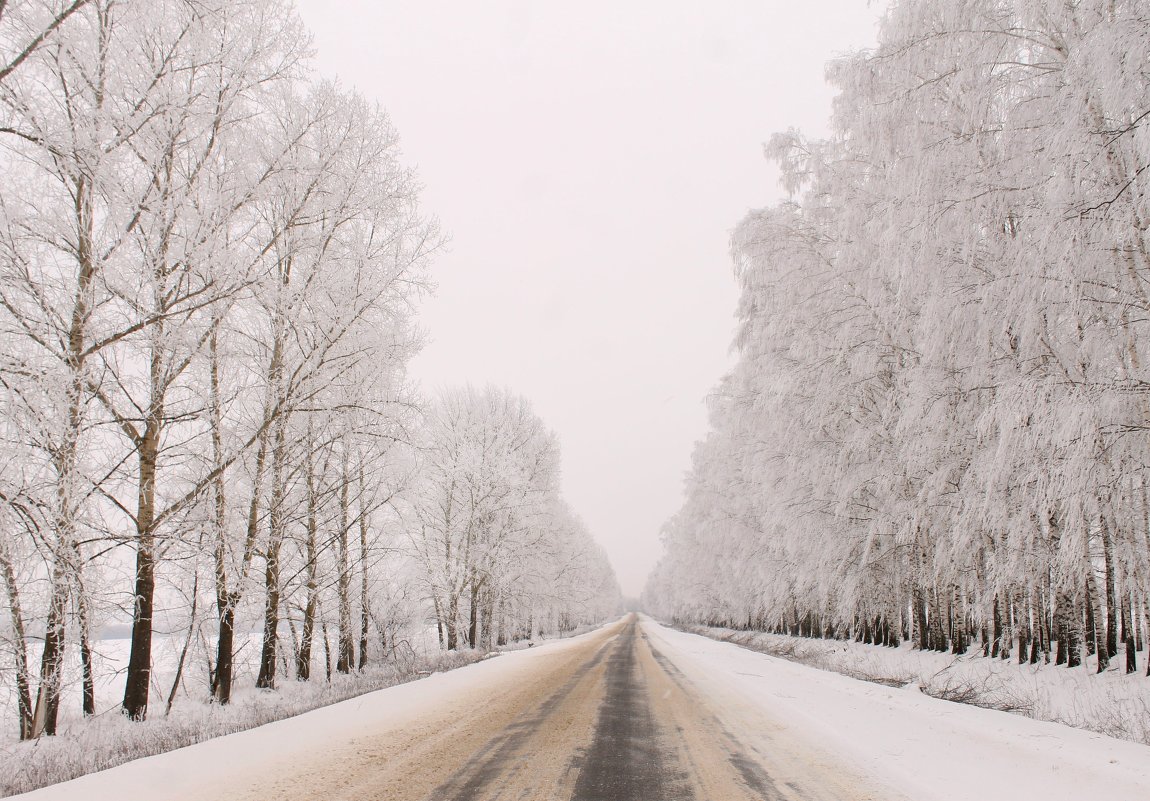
(589, 160)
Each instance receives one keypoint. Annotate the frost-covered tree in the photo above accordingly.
(209, 264)
(209, 267)
(120, 128)
(935, 427)
(497, 549)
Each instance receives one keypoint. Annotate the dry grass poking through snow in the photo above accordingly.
(1114, 704)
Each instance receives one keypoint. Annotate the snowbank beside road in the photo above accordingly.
(85, 745)
(221, 767)
(1113, 703)
(931, 750)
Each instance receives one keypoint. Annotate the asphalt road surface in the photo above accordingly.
(609, 718)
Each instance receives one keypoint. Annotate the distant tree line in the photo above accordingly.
(938, 427)
(209, 265)
(502, 556)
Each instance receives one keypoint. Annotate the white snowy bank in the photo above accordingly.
(1113, 703)
(85, 745)
(220, 767)
(110, 739)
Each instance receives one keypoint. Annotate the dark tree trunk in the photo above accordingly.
(138, 680)
(84, 624)
(958, 635)
(1139, 638)
(452, 622)
(23, 680)
(139, 676)
(343, 581)
(303, 656)
(438, 617)
(920, 618)
(88, 682)
(1062, 628)
(487, 622)
(140, 659)
(1112, 613)
(501, 639)
(1095, 642)
(226, 601)
(266, 679)
(326, 652)
(1022, 627)
(996, 616)
(307, 635)
(364, 602)
(937, 632)
(51, 663)
(1073, 634)
(1128, 635)
(225, 647)
(1008, 627)
(473, 623)
(1091, 637)
(1047, 621)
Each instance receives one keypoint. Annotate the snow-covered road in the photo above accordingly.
(636, 711)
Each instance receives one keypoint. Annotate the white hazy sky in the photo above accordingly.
(589, 160)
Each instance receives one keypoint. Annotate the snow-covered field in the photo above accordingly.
(1113, 703)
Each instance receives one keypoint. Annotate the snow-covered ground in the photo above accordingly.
(922, 748)
(108, 739)
(929, 749)
(1114, 703)
(217, 768)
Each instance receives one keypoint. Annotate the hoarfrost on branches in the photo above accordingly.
(210, 262)
(937, 425)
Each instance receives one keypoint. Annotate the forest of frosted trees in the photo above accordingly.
(937, 427)
(209, 268)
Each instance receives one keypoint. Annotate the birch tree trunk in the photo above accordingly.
(24, 712)
(343, 575)
(364, 600)
(311, 554)
(270, 641)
